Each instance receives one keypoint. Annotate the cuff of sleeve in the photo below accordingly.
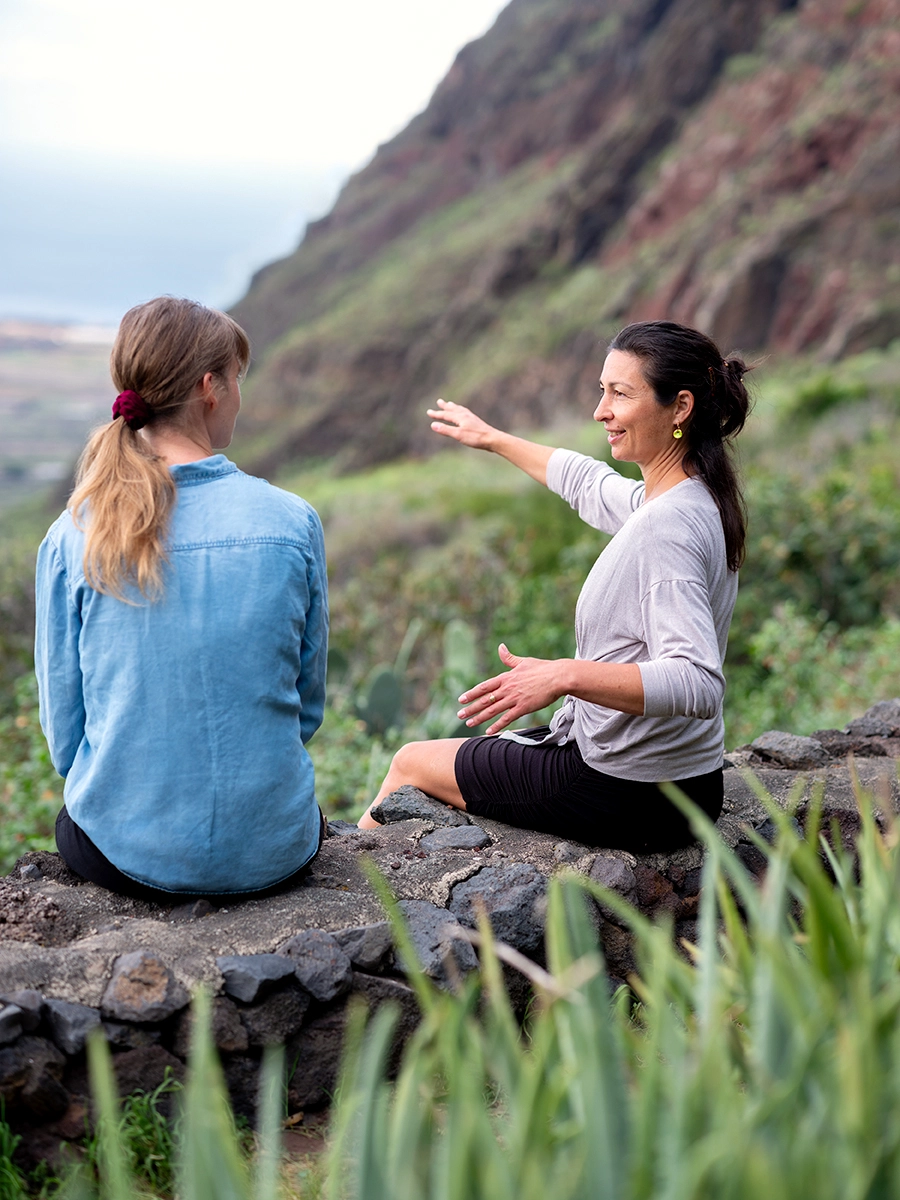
(673, 688)
(556, 467)
(659, 695)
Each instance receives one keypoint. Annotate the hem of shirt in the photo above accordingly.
(651, 770)
(251, 891)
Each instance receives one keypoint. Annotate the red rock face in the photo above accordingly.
(732, 164)
(795, 166)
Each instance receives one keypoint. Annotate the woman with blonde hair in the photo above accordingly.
(181, 633)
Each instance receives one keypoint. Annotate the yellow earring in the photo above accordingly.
(677, 433)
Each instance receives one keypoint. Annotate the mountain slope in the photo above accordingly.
(734, 164)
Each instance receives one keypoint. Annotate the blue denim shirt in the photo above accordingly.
(180, 724)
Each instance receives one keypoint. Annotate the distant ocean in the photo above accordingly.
(81, 244)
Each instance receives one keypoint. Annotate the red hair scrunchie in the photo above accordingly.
(132, 409)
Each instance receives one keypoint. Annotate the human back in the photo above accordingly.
(182, 671)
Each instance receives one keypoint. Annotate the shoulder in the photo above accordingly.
(690, 505)
(680, 531)
(245, 507)
(279, 501)
(63, 539)
(567, 468)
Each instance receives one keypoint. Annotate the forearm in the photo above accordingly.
(533, 683)
(529, 457)
(614, 685)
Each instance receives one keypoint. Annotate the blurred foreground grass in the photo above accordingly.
(759, 1062)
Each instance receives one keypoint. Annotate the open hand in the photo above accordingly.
(529, 685)
(461, 424)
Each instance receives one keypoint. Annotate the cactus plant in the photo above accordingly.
(382, 703)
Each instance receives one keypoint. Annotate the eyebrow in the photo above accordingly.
(615, 383)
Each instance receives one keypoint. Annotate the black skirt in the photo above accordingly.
(552, 790)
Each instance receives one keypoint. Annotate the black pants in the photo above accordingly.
(82, 856)
(552, 790)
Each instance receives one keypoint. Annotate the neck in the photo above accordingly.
(177, 446)
(660, 476)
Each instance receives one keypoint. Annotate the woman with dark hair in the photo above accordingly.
(182, 629)
(642, 699)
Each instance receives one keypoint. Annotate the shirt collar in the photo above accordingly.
(203, 471)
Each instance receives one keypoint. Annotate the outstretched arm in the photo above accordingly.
(461, 424)
(533, 683)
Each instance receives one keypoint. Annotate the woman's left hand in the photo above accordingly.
(529, 685)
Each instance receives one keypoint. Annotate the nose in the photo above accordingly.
(601, 412)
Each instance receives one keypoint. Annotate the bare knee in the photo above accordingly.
(408, 761)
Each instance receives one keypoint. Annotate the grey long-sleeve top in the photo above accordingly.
(660, 595)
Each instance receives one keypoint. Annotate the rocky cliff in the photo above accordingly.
(734, 164)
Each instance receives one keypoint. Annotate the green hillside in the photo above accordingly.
(731, 165)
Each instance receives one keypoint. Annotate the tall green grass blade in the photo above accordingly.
(211, 1166)
(269, 1151)
(115, 1181)
(424, 989)
(358, 1158)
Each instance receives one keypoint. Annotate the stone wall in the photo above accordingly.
(283, 969)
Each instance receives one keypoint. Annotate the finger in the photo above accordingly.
(505, 721)
(488, 714)
(506, 655)
(482, 689)
(482, 709)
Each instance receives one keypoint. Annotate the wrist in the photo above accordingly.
(499, 442)
(569, 678)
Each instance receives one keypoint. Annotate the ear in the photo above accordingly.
(207, 391)
(682, 407)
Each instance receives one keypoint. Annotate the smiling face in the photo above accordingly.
(639, 429)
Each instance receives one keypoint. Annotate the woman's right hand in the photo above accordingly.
(461, 424)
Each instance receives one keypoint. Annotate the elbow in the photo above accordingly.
(707, 695)
(63, 758)
(703, 694)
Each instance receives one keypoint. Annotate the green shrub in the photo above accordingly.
(30, 789)
(148, 1136)
(16, 617)
(12, 1180)
(804, 673)
(349, 762)
(208, 1160)
(832, 547)
(821, 394)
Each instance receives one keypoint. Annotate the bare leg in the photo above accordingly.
(425, 765)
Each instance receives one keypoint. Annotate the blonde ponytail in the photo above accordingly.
(123, 499)
(124, 493)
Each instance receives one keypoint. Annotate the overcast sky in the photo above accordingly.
(175, 145)
(189, 82)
